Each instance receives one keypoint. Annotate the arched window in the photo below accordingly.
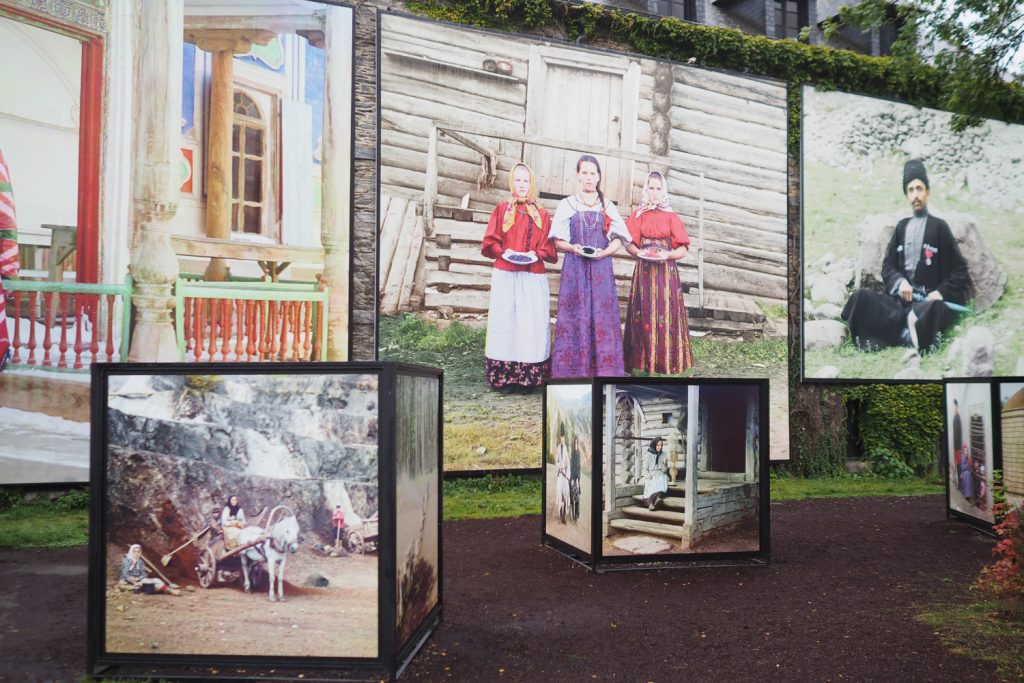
(248, 149)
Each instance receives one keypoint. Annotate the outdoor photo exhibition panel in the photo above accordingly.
(910, 242)
(1011, 432)
(971, 451)
(549, 210)
(246, 109)
(681, 468)
(274, 489)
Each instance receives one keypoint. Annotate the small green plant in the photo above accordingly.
(73, 500)
(888, 465)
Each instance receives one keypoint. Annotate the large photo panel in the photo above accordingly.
(550, 210)
(682, 467)
(224, 491)
(253, 132)
(912, 259)
(970, 448)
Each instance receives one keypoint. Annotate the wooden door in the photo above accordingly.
(581, 102)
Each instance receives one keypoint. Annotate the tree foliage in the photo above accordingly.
(975, 45)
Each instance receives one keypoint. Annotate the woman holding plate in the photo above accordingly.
(657, 338)
(588, 229)
(517, 353)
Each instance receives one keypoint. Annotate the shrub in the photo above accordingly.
(1005, 577)
(73, 500)
(888, 465)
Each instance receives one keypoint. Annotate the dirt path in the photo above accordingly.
(837, 603)
(323, 621)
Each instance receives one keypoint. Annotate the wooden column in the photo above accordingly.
(692, 422)
(157, 110)
(218, 157)
(223, 44)
(336, 175)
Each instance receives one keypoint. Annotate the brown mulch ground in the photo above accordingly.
(837, 603)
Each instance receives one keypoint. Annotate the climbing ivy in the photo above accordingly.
(904, 418)
(724, 48)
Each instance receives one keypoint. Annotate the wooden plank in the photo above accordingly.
(729, 107)
(435, 92)
(469, 45)
(453, 116)
(446, 149)
(669, 531)
(722, 170)
(771, 138)
(685, 141)
(396, 276)
(742, 87)
(391, 226)
(665, 516)
(449, 169)
(457, 84)
(415, 251)
(209, 247)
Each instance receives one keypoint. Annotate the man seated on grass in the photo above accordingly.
(925, 278)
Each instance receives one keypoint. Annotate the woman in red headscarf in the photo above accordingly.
(518, 350)
(657, 338)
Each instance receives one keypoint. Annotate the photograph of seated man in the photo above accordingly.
(925, 278)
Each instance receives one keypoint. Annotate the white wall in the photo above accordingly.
(39, 111)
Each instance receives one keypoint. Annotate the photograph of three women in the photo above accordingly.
(585, 212)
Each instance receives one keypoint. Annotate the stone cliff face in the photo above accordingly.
(179, 446)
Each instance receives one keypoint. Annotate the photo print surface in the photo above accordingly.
(551, 210)
(912, 262)
(255, 166)
(418, 533)
(969, 441)
(569, 465)
(668, 493)
(1011, 416)
(216, 483)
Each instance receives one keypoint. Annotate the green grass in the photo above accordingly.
(487, 497)
(43, 525)
(793, 488)
(986, 631)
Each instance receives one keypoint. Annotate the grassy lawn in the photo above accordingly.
(849, 487)
(511, 496)
(44, 525)
(507, 427)
(987, 631)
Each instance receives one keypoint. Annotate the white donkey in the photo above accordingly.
(282, 537)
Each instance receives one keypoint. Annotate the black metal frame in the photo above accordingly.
(596, 560)
(392, 656)
(995, 420)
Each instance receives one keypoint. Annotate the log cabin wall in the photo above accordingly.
(719, 137)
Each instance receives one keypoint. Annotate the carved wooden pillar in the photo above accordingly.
(223, 44)
(336, 173)
(157, 109)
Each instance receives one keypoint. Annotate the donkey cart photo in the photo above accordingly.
(261, 550)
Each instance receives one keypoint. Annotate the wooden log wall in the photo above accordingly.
(731, 128)
(729, 505)
(1013, 452)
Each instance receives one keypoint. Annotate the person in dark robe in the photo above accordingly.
(923, 272)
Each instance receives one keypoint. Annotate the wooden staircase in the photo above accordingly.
(666, 521)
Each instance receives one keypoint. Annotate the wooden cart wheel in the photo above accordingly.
(256, 575)
(356, 544)
(206, 569)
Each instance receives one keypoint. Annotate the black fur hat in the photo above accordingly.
(914, 170)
